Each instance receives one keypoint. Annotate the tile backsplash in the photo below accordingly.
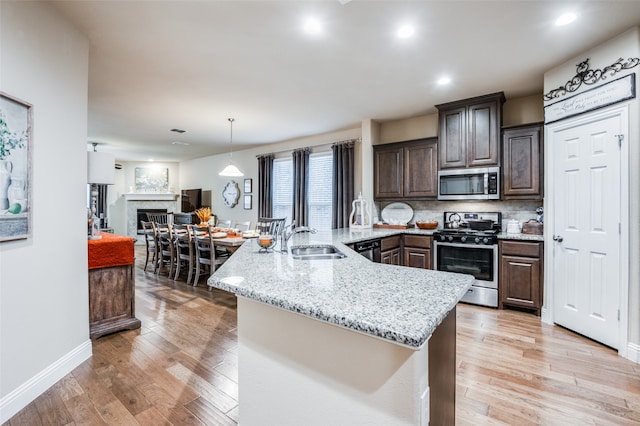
(521, 211)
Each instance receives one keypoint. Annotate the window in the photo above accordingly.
(319, 191)
(282, 188)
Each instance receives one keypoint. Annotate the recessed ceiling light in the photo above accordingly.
(312, 26)
(180, 143)
(405, 31)
(177, 130)
(150, 160)
(565, 19)
(443, 81)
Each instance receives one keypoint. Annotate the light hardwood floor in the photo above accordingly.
(181, 369)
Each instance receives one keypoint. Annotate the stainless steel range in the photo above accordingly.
(468, 244)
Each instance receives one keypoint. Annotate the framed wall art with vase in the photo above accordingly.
(15, 168)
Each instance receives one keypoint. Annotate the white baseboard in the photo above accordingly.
(20, 397)
(633, 352)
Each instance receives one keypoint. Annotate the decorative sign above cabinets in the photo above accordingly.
(608, 94)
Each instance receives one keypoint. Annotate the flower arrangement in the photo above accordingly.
(204, 214)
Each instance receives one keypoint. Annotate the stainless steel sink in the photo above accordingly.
(316, 252)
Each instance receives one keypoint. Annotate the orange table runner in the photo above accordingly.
(111, 250)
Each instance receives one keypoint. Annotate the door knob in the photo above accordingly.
(557, 238)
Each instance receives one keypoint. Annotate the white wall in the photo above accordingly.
(625, 46)
(44, 320)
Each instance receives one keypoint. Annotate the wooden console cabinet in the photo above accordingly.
(111, 285)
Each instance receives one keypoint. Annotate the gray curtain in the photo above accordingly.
(343, 165)
(300, 185)
(265, 168)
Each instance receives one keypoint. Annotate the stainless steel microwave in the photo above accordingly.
(469, 184)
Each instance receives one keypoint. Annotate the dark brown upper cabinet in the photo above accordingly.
(522, 163)
(406, 170)
(469, 132)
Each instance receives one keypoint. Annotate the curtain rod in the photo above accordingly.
(310, 146)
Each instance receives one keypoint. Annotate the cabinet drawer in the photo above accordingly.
(420, 241)
(521, 248)
(390, 243)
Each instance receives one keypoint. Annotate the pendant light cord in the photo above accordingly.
(231, 120)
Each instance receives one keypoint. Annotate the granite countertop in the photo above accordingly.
(527, 237)
(403, 305)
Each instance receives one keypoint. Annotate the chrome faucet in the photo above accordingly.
(284, 235)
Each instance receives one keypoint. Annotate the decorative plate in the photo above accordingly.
(231, 193)
(397, 214)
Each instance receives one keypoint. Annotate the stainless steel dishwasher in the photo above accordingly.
(369, 249)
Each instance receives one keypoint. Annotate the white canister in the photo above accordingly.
(514, 227)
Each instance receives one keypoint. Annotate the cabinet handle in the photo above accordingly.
(558, 238)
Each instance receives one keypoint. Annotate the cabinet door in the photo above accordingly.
(453, 137)
(388, 173)
(483, 137)
(417, 257)
(390, 257)
(520, 282)
(421, 170)
(521, 163)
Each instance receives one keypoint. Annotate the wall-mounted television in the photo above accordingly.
(191, 200)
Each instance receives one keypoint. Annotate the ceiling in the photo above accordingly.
(159, 65)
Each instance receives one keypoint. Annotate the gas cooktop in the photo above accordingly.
(460, 227)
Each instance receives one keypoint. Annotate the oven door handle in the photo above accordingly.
(480, 246)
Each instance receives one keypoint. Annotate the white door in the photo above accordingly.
(586, 219)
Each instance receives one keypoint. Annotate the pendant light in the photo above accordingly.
(231, 169)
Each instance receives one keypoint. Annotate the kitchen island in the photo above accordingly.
(342, 341)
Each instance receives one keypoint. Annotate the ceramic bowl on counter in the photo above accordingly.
(427, 224)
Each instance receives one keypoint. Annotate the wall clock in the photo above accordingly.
(231, 194)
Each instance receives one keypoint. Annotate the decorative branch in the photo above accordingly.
(589, 76)
(9, 140)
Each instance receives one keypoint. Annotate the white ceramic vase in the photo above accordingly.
(5, 180)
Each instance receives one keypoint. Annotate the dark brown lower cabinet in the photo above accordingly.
(521, 275)
(417, 251)
(390, 250)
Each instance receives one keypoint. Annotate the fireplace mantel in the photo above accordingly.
(145, 200)
(146, 196)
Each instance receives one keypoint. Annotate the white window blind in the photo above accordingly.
(319, 192)
(282, 188)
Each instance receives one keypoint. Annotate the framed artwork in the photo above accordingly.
(15, 168)
(247, 202)
(248, 186)
(152, 179)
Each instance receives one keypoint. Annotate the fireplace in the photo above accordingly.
(141, 215)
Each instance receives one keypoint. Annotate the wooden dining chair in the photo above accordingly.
(223, 223)
(243, 226)
(151, 244)
(166, 251)
(161, 219)
(184, 250)
(205, 254)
